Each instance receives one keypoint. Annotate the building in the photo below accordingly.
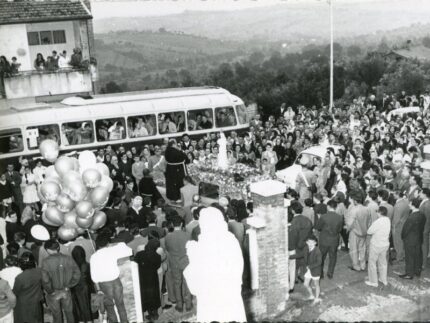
(420, 53)
(29, 27)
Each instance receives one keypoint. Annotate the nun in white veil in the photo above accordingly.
(214, 274)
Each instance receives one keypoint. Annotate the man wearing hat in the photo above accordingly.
(59, 274)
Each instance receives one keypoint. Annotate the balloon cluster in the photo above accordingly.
(75, 191)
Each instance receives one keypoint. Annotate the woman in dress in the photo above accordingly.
(30, 196)
(39, 62)
(28, 292)
(149, 261)
(81, 293)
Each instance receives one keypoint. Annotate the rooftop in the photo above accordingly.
(415, 52)
(30, 11)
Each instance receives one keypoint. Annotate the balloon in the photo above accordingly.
(49, 150)
(39, 232)
(50, 190)
(63, 165)
(84, 209)
(67, 233)
(102, 168)
(51, 172)
(75, 163)
(41, 197)
(54, 215)
(106, 182)
(70, 219)
(46, 221)
(71, 177)
(76, 191)
(91, 177)
(65, 203)
(80, 230)
(87, 159)
(99, 197)
(99, 220)
(84, 223)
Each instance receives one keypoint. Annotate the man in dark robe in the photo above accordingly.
(175, 170)
(147, 187)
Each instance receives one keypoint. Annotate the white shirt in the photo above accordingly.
(104, 262)
(9, 274)
(380, 231)
(63, 62)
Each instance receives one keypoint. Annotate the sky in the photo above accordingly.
(124, 8)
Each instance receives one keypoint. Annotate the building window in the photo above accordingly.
(46, 37)
(59, 36)
(33, 38)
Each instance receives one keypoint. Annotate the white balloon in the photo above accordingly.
(87, 159)
(39, 232)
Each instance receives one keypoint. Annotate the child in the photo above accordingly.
(14, 66)
(313, 261)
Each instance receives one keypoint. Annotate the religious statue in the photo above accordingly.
(214, 273)
(222, 152)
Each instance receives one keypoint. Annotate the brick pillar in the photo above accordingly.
(268, 250)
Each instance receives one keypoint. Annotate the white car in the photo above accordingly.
(289, 174)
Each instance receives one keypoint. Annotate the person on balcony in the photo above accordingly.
(14, 66)
(76, 59)
(4, 72)
(39, 62)
(55, 58)
(63, 60)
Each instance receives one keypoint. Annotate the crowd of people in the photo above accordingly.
(367, 196)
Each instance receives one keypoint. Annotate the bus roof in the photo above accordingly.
(78, 108)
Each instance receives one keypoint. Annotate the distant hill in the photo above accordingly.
(291, 22)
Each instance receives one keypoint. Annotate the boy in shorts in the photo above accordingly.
(313, 262)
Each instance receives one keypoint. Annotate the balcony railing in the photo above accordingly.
(46, 83)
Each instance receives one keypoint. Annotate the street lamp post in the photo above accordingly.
(331, 54)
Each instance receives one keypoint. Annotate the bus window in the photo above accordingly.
(35, 135)
(110, 129)
(141, 126)
(77, 133)
(200, 119)
(171, 122)
(11, 141)
(225, 117)
(241, 114)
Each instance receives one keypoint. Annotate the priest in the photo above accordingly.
(175, 170)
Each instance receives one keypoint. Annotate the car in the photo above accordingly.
(289, 174)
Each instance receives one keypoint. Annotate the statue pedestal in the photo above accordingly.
(129, 275)
(268, 243)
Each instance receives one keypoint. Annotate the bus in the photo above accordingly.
(129, 119)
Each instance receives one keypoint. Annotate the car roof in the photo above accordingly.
(320, 150)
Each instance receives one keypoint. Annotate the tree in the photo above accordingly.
(426, 41)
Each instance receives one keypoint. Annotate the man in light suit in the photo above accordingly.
(178, 261)
(425, 210)
(400, 214)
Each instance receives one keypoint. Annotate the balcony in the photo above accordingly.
(46, 83)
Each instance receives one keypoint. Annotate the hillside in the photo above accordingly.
(290, 21)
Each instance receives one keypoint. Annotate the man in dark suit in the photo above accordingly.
(400, 214)
(14, 179)
(412, 236)
(178, 261)
(330, 225)
(152, 226)
(425, 210)
(301, 229)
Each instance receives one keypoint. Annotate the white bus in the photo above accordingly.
(129, 118)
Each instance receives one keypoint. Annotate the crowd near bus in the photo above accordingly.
(367, 197)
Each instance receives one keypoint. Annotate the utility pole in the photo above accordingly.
(331, 54)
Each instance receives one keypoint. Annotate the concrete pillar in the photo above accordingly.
(268, 240)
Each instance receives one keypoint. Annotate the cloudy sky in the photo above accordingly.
(124, 8)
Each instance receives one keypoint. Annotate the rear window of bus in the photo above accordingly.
(11, 141)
